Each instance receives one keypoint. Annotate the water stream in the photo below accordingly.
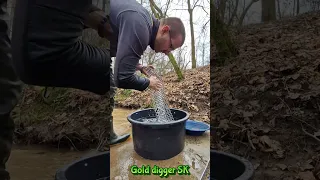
(36, 162)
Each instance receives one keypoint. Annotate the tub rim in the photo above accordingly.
(157, 124)
(61, 172)
(249, 169)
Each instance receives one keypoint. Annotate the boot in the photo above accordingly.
(114, 138)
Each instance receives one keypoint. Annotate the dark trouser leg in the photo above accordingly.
(10, 89)
(114, 138)
(49, 53)
(6, 137)
(82, 67)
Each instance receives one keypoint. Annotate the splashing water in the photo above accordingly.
(163, 113)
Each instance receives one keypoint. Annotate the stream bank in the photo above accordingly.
(30, 162)
(75, 119)
(68, 118)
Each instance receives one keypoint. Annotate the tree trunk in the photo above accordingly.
(203, 51)
(298, 7)
(222, 8)
(224, 45)
(234, 13)
(175, 66)
(279, 9)
(193, 48)
(294, 7)
(268, 10)
(173, 61)
(245, 12)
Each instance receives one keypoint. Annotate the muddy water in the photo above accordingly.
(195, 154)
(41, 163)
(38, 162)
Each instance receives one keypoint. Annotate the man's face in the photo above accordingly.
(164, 42)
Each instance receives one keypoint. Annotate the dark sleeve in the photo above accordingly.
(10, 85)
(132, 41)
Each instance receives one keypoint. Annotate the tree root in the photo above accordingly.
(311, 135)
(250, 141)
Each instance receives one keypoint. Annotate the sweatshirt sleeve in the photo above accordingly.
(133, 39)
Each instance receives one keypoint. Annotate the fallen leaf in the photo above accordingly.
(269, 145)
(248, 114)
(306, 166)
(282, 166)
(194, 107)
(306, 175)
(293, 95)
(256, 166)
(295, 86)
(224, 124)
(317, 133)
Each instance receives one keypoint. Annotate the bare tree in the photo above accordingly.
(193, 48)
(224, 44)
(234, 12)
(222, 4)
(268, 10)
(279, 9)
(202, 45)
(245, 11)
(159, 14)
(298, 7)
(181, 58)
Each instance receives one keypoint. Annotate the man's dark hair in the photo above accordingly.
(176, 27)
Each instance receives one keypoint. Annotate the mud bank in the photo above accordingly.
(75, 119)
(68, 118)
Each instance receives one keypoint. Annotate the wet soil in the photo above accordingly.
(195, 154)
(265, 103)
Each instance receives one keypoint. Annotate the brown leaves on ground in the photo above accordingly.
(190, 94)
(269, 93)
(69, 117)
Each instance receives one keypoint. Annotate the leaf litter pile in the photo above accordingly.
(68, 118)
(265, 105)
(190, 94)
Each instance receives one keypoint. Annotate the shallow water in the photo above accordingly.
(36, 162)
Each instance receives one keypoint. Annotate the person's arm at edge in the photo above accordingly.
(132, 41)
(94, 18)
